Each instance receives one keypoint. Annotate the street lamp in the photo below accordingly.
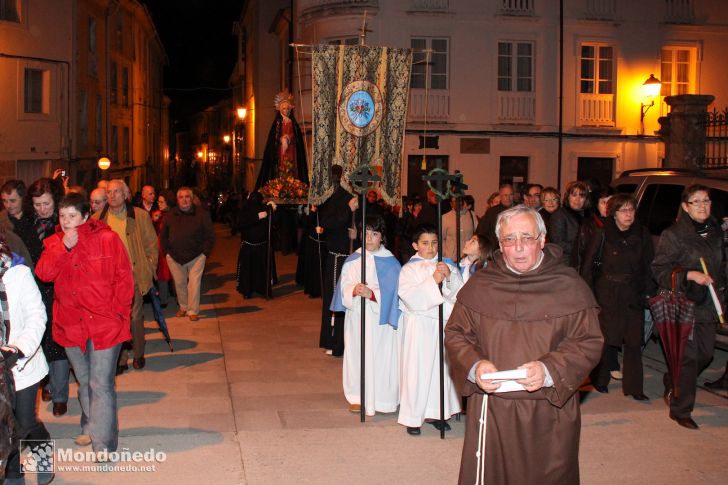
(650, 89)
(241, 113)
(226, 138)
(104, 163)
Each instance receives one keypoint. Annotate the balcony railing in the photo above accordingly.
(430, 5)
(679, 11)
(596, 110)
(518, 7)
(518, 108)
(601, 9)
(438, 105)
(308, 7)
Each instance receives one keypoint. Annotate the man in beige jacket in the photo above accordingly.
(134, 227)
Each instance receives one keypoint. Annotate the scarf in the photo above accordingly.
(45, 226)
(5, 263)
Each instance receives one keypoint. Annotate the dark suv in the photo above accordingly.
(658, 194)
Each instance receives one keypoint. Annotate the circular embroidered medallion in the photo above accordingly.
(360, 108)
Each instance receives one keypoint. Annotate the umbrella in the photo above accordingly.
(674, 316)
(159, 316)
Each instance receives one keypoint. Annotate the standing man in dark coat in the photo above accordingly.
(335, 218)
(486, 226)
(526, 310)
(187, 237)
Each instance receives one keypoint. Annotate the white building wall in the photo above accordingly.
(42, 40)
(636, 30)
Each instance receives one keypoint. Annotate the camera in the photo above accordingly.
(63, 173)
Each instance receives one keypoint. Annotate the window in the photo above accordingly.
(344, 41)
(125, 86)
(515, 66)
(99, 120)
(595, 168)
(438, 68)
(92, 46)
(125, 146)
(83, 118)
(119, 31)
(415, 184)
(676, 73)
(114, 143)
(9, 10)
(36, 98)
(659, 206)
(597, 69)
(113, 83)
(514, 171)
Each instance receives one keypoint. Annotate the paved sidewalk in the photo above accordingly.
(249, 398)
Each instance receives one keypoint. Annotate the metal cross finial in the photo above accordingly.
(362, 177)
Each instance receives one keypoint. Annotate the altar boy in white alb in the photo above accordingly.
(382, 315)
(419, 300)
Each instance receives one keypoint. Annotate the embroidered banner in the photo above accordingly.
(360, 97)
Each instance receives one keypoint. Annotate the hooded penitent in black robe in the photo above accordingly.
(253, 254)
(548, 315)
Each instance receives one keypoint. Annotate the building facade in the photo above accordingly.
(121, 111)
(36, 91)
(82, 79)
(497, 94)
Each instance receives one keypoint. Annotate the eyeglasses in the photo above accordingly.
(526, 240)
(550, 200)
(699, 202)
(626, 210)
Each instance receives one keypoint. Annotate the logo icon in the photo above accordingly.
(36, 456)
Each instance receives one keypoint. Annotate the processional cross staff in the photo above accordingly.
(360, 181)
(441, 183)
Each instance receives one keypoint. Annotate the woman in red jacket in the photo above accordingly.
(94, 289)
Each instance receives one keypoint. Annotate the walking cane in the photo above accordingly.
(269, 254)
(318, 250)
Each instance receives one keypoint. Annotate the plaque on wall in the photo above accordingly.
(475, 145)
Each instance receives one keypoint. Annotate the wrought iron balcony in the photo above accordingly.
(315, 8)
(679, 11)
(520, 8)
(430, 5)
(601, 9)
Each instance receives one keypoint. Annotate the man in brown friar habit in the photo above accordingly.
(529, 312)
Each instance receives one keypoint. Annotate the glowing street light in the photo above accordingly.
(226, 138)
(104, 163)
(241, 113)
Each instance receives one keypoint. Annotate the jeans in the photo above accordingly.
(58, 375)
(27, 425)
(96, 371)
(187, 281)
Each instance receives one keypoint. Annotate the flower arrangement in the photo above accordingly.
(285, 187)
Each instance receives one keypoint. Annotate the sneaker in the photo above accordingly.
(616, 375)
(82, 440)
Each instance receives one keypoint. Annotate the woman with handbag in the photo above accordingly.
(617, 266)
(695, 234)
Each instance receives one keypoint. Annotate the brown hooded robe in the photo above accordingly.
(550, 315)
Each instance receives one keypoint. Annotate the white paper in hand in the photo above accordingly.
(507, 379)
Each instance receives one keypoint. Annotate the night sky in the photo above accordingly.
(197, 36)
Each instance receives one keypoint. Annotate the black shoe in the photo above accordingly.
(139, 363)
(60, 408)
(436, 424)
(718, 384)
(685, 422)
(45, 395)
(639, 397)
(602, 389)
(413, 431)
(121, 368)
